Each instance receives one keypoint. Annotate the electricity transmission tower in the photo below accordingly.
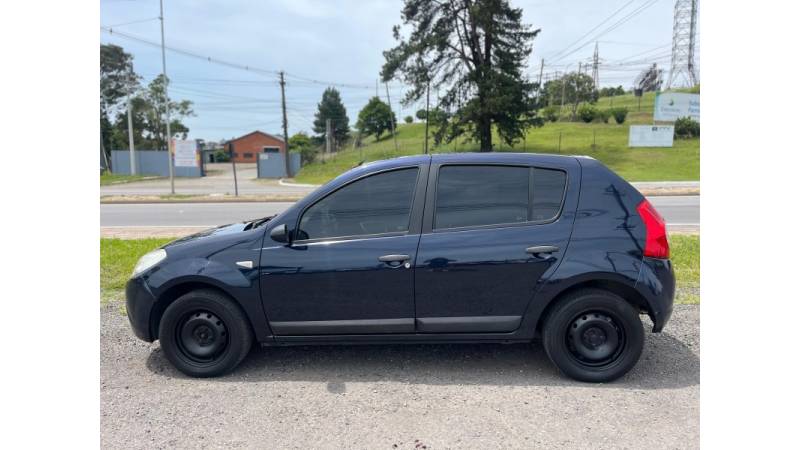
(684, 27)
(595, 67)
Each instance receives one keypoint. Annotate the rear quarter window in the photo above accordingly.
(549, 186)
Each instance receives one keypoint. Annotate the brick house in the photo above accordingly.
(246, 148)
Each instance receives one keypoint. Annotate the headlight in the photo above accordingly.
(149, 260)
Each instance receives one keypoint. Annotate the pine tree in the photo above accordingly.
(331, 107)
(475, 52)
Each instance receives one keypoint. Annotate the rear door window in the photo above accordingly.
(481, 195)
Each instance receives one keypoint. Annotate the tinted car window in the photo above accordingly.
(481, 195)
(376, 204)
(548, 191)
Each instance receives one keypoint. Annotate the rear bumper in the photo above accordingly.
(139, 302)
(656, 283)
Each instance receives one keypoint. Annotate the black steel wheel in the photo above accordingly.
(593, 335)
(204, 333)
(202, 336)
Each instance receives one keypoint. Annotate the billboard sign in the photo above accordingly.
(651, 136)
(670, 106)
(185, 153)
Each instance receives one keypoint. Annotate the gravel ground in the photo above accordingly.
(408, 397)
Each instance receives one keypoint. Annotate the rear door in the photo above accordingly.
(491, 233)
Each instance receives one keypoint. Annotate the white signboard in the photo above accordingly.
(672, 105)
(185, 153)
(651, 136)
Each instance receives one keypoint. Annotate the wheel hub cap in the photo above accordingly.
(594, 337)
(203, 335)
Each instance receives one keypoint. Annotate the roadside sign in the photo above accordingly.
(670, 106)
(185, 153)
(651, 136)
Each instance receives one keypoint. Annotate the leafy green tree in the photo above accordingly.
(331, 107)
(408, 119)
(420, 114)
(375, 118)
(117, 79)
(475, 52)
(302, 143)
(576, 87)
(154, 110)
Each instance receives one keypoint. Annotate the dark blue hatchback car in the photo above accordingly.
(497, 247)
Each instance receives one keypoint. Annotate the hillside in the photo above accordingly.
(605, 142)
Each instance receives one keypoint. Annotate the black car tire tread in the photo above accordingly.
(574, 304)
(238, 328)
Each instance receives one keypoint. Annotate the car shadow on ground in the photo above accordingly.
(666, 363)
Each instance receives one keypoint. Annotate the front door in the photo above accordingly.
(348, 268)
(493, 233)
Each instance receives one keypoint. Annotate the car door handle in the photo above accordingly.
(537, 249)
(393, 258)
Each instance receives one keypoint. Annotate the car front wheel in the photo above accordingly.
(204, 334)
(593, 335)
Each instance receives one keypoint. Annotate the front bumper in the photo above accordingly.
(139, 302)
(656, 283)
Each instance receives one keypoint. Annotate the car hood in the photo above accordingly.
(219, 233)
(210, 233)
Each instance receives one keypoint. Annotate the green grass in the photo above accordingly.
(605, 142)
(685, 255)
(113, 178)
(117, 258)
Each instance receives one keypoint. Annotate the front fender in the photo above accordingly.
(239, 283)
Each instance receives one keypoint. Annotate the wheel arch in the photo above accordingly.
(180, 288)
(624, 290)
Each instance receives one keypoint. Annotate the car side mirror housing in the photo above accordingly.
(280, 233)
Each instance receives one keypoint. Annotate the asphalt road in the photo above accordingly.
(406, 397)
(680, 210)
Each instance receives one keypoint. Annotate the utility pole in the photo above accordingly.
(285, 129)
(233, 162)
(328, 131)
(166, 102)
(389, 101)
(563, 90)
(541, 72)
(130, 133)
(596, 66)
(427, 113)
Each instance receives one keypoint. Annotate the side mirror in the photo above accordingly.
(280, 233)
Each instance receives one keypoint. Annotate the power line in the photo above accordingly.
(612, 27)
(590, 31)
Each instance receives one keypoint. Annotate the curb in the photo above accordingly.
(283, 182)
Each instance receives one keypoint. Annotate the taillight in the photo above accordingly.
(655, 241)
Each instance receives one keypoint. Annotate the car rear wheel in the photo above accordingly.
(593, 335)
(204, 334)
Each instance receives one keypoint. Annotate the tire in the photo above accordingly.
(205, 334)
(593, 335)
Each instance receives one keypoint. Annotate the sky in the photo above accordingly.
(341, 42)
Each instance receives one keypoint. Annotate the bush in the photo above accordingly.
(686, 128)
(603, 115)
(587, 113)
(302, 143)
(550, 113)
(409, 119)
(221, 156)
(619, 114)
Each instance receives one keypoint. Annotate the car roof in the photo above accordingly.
(502, 157)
